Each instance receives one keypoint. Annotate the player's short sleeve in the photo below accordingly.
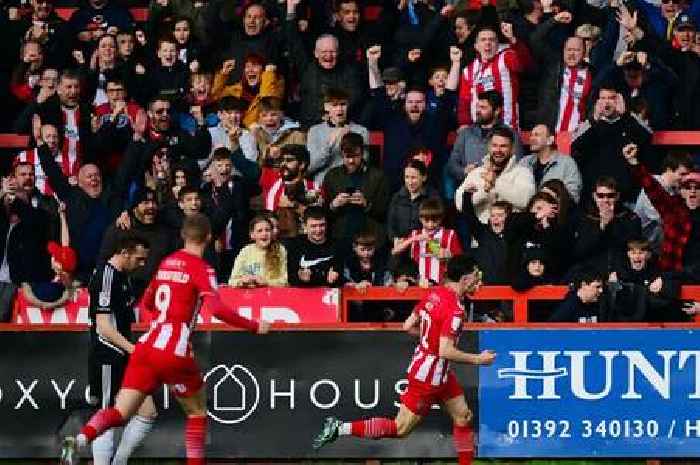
(452, 320)
(204, 279)
(428, 303)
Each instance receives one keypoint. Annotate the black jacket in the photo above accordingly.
(27, 255)
(229, 202)
(492, 252)
(573, 310)
(88, 217)
(350, 219)
(603, 249)
(403, 212)
(597, 148)
(160, 241)
(315, 80)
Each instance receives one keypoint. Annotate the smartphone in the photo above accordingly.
(350, 190)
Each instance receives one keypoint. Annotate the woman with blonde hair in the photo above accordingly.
(262, 263)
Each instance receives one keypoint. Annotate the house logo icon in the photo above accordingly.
(236, 393)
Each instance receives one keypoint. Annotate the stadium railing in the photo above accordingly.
(376, 138)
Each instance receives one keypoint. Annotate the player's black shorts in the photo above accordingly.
(105, 379)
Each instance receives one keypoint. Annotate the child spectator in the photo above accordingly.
(432, 245)
(274, 128)
(169, 77)
(491, 252)
(534, 271)
(229, 132)
(639, 274)
(362, 269)
(202, 108)
(262, 263)
(365, 267)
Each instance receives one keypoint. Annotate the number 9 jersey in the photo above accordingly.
(174, 297)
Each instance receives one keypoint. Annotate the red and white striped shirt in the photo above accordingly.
(272, 199)
(71, 136)
(429, 265)
(441, 315)
(500, 73)
(69, 167)
(175, 294)
(575, 88)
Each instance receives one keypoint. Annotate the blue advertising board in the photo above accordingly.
(590, 393)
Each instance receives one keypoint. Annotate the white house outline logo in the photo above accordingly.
(243, 408)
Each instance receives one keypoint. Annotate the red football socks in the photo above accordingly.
(374, 428)
(101, 422)
(463, 437)
(195, 433)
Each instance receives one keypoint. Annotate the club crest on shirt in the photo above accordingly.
(104, 299)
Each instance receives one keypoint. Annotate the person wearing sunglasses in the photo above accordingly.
(662, 17)
(680, 216)
(602, 233)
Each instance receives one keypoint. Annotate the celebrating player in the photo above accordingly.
(164, 354)
(111, 312)
(438, 321)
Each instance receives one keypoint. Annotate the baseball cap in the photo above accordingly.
(64, 255)
(392, 74)
(684, 21)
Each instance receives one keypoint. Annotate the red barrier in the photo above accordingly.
(140, 14)
(666, 138)
(310, 306)
(287, 305)
(520, 299)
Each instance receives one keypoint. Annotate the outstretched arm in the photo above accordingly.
(452, 353)
(228, 315)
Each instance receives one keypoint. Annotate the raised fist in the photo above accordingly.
(374, 53)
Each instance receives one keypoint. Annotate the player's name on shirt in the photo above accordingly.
(173, 276)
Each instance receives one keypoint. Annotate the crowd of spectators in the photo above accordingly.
(258, 114)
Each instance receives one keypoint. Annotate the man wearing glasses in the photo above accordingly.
(603, 232)
(158, 129)
(680, 216)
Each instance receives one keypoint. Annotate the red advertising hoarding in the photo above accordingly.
(288, 305)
